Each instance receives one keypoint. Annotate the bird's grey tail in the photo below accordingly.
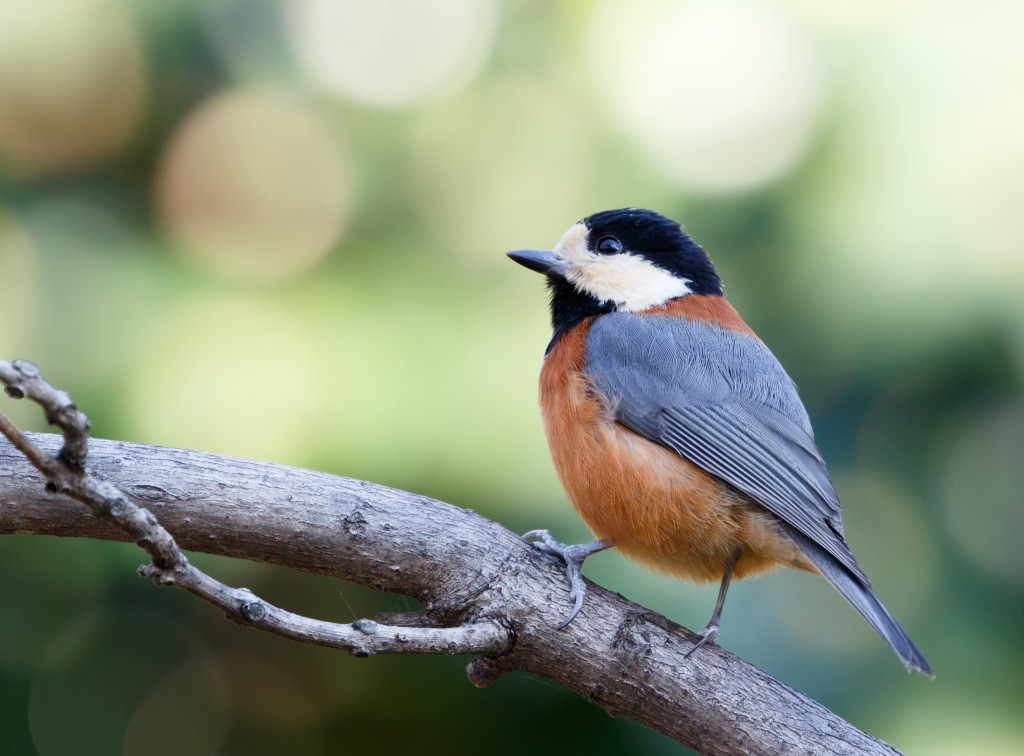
(863, 600)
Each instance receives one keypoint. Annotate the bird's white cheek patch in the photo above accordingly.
(572, 247)
(630, 281)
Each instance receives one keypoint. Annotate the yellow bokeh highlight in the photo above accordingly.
(485, 188)
(233, 375)
(975, 722)
(410, 394)
(73, 84)
(254, 186)
(987, 190)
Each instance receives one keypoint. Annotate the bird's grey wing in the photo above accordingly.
(722, 401)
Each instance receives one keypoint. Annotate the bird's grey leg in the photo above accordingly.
(573, 556)
(710, 632)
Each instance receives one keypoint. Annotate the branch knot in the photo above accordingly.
(254, 611)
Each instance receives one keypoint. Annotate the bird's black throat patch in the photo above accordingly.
(569, 306)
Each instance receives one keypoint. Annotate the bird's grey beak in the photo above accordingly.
(540, 260)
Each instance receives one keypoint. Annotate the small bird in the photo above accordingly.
(677, 435)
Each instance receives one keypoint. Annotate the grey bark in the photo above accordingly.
(468, 571)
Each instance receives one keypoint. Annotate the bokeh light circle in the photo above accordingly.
(188, 711)
(987, 191)
(718, 95)
(892, 541)
(73, 84)
(232, 375)
(254, 186)
(392, 53)
(982, 479)
(501, 162)
(918, 200)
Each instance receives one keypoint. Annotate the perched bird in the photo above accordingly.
(677, 435)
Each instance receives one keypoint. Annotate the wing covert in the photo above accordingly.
(721, 400)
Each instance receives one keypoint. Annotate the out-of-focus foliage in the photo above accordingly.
(276, 230)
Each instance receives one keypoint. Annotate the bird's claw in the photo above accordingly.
(573, 556)
(544, 541)
(577, 589)
(708, 637)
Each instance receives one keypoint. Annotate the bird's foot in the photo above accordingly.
(708, 637)
(573, 555)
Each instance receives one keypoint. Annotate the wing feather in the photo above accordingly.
(721, 400)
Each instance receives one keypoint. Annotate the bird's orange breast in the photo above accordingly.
(654, 506)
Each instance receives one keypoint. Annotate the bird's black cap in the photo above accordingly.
(659, 239)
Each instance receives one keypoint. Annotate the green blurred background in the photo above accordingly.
(277, 230)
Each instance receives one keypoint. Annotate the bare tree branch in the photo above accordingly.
(66, 473)
(485, 590)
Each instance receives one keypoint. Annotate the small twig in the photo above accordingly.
(67, 473)
(364, 637)
(21, 380)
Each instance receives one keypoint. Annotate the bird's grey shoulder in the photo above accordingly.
(684, 361)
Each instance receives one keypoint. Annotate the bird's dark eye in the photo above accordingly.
(608, 245)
